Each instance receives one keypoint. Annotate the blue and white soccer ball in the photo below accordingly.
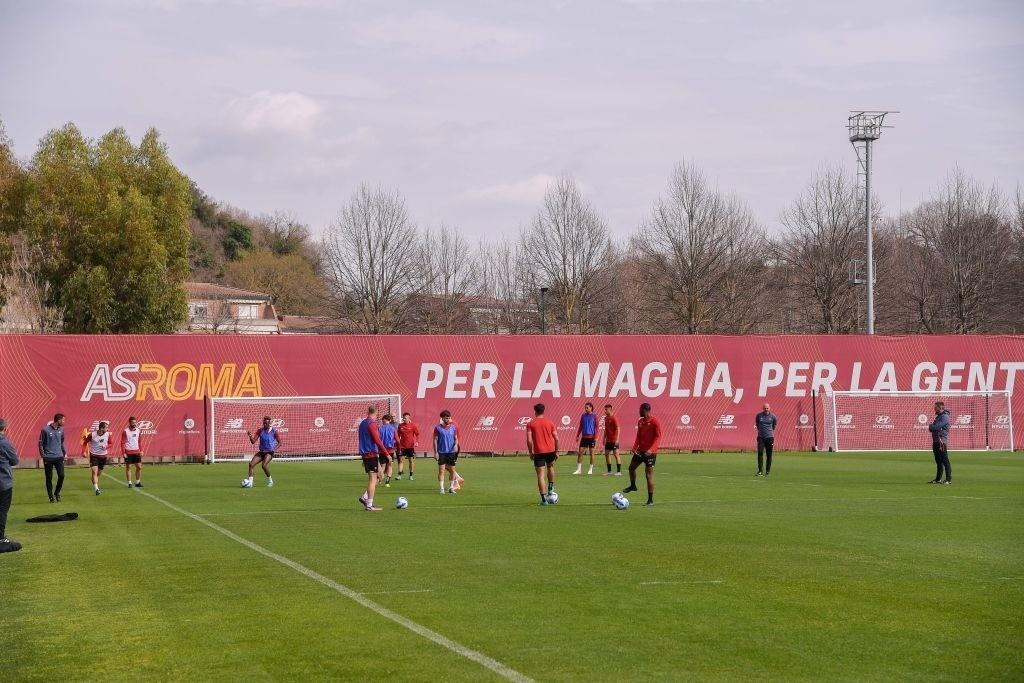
(246, 484)
(551, 497)
(616, 496)
(401, 503)
(620, 501)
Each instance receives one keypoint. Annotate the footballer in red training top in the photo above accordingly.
(645, 450)
(542, 445)
(408, 439)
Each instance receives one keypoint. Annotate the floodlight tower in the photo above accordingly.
(865, 127)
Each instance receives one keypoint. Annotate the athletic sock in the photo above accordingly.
(369, 503)
(618, 467)
(609, 468)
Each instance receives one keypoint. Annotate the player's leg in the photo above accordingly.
(937, 455)
(440, 472)
(5, 506)
(769, 447)
(618, 462)
(401, 463)
(128, 471)
(590, 452)
(947, 466)
(138, 472)
(579, 459)
(95, 471)
(265, 463)
(649, 471)
(607, 461)
(453, 479)
(258, 457)
(48, 473)
(412, 464)
(371, 489)
(633, 464)
(542, 484)
(551, 476)
(59, 466)
(387, 472)
(760, 456)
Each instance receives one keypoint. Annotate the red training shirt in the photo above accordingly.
(611, 429)
(648, 435)
(542, 430)
(408, 435)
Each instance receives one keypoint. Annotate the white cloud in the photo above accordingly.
(290, 113)
(528, 191)
(439, 35)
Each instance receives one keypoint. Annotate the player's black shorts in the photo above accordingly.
(383, 459)
(133, 459)
(407, 453)
(370, 464)
(588, 442)
(447, 458)
(648, 459)
(263, 455)
(544, 459)
(97, 462)
(611, 446)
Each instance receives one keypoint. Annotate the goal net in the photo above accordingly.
(310, 427)
(899, 420)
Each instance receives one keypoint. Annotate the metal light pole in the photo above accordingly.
(543, 311)
(865, 127)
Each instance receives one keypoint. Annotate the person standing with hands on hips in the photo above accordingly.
(766, 422)
(8, 459)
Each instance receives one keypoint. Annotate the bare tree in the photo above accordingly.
(822, 238)
(569, 243)
(963, 242)
(370, 260)
(703, 253)
(28, 292)
(451, 282)
(510, 286)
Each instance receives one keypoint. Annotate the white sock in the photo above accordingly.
(369, 502)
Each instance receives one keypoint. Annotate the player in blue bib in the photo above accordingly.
(446, 450)
(270, 440)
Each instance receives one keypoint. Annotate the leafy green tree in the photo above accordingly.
(111, 219)
(290, 280)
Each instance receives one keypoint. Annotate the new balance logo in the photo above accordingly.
(963, 419)
(726, 419)
(235, 423)
(846, 419)
(486, 424)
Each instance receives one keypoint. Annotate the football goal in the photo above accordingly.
(309, 427)
(899, 420)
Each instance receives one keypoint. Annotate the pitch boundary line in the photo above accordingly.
(673, 583)
(483, 660)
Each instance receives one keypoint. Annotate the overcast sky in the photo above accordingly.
(469, 108)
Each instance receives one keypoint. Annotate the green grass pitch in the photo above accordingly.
(838, 567)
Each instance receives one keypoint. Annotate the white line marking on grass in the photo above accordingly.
(667, 583)
(433, 636)
(1011, 578)
(422, 590)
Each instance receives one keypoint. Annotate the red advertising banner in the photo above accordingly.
(705, 389)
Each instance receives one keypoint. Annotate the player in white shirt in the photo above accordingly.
(132, 450)
(99, 449)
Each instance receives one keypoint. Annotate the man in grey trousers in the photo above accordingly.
(766, 422)
(52, 452)
(8, 459)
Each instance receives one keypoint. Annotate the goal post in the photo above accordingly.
(899, 420)
(310, 427)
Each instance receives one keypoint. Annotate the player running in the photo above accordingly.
(542, 445)
(645, 450)
(611, 441)
(940, 445)
(99, 449)
(387, 437)
(586, 435)
(408, 439)
(370, 448)
(269, 441)
(132, 450)
(446, 449)
(766, 423)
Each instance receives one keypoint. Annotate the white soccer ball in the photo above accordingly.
(246, 484)
(621, 502)
(552, 497)
(401, 503)
(615, 497)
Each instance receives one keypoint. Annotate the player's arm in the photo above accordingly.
(253, 437)
(435, 442)
(529, 441)
(579, 428)
(124, 441)
(457, 449)
(657, 436)
(554, 433)
(636, 440)
(42, 439)
(63, 451)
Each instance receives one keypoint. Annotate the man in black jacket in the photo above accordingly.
(8, 459)
(52, 452)
(940, 445)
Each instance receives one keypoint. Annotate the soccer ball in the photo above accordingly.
(615, 498)
(621, 502)
(552, 497)
(401, 503)
(246, 484)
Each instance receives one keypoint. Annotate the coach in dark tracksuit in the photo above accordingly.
(52, 452)
(766, 422)
(8, 459)
(940, 444)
